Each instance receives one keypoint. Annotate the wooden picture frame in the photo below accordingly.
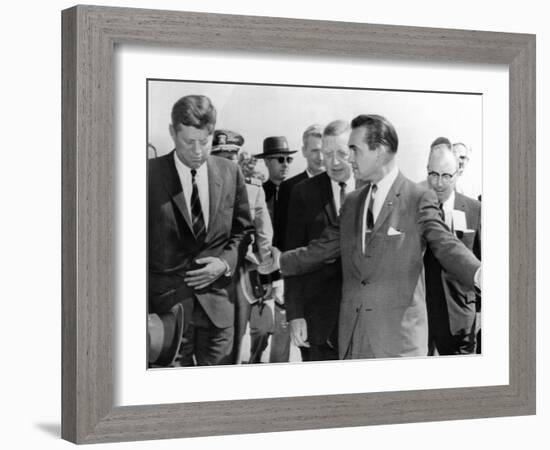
(90, 34)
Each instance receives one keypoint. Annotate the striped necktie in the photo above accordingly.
(196, 210)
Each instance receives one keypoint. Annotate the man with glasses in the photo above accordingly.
(451, 306)
(313, 300)
(276, 155)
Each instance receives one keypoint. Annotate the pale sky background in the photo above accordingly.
(258, 111)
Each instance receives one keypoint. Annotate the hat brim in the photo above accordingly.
(268, 155)
(225, 148)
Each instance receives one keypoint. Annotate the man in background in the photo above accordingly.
(463, 185)
(311, 150)
(198, 230)
(313, 300)
(276, 155)
(252, 295)
(451, 306)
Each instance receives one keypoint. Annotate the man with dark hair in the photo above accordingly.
(198, 230)
(451, 307)
(311, 150)
(382, 233)
(313, 300)
(441, 142)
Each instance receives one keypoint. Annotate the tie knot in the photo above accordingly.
(374, 188)
(193, 173)
(342, 184)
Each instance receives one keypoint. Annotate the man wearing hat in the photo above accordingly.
(251, 295)
(276, 155)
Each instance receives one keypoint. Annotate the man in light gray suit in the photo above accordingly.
(383, 230)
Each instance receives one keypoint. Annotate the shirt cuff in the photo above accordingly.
(227, 272)
(478, 279)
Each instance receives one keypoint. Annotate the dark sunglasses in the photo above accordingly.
(282, 159)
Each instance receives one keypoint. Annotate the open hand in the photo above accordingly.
(298, 332)
(212, 270)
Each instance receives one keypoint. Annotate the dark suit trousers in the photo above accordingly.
(316, 352)
(203, 344)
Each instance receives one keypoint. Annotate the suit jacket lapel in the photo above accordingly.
(214, 192)
(460, 204)
(389, 203)
(172, 183)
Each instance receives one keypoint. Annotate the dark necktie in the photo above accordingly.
(442, 212)
(196, 210)
(342, 194)
(370, 213)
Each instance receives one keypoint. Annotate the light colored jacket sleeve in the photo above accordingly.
(264, 229)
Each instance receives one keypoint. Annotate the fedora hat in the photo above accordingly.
(275, 145)
(226, 141)
(164, 334)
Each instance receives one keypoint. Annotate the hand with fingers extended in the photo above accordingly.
(298, 332)
(213, 268)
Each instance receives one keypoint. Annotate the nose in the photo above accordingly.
(196, 147)
(439, 182)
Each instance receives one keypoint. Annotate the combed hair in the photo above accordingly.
(379, 131)
(314, 130)
(336, 128)
(194, 111)
(442, 141)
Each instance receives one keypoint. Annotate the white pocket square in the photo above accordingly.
(393, 232)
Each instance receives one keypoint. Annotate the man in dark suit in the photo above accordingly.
(451, 307)
(313, 300)
(199, 227)
(311, 150)
(382, 233)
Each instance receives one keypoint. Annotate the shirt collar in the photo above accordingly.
(385, 184)
(182, 168)
(449, 204)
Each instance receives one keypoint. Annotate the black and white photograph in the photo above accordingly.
(291, 224)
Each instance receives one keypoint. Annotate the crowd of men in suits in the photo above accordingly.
(348, 259)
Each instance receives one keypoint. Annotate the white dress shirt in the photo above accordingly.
(383, 187)
(350, 186)
(201, 178)
(448, 207)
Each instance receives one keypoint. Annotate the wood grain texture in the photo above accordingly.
(89, 37)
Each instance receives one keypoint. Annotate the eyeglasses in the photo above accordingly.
(282, 159)
(446, 177)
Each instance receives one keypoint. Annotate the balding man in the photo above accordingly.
(451, 306)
